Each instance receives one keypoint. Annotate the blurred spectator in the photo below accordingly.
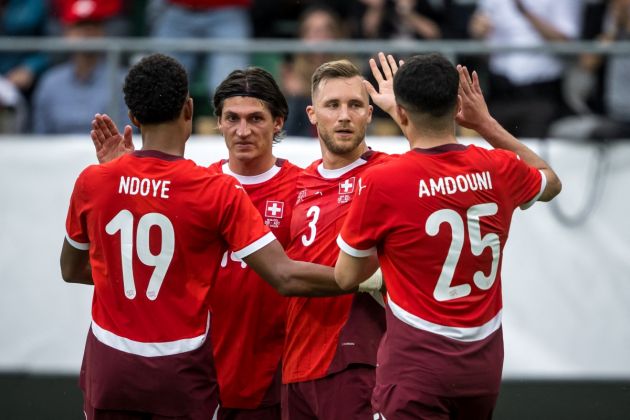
(317, 23)
(400, 19)
(208, 19)
(117, 23)
(70, 93)
(19, 70)
(525, 88)
(615, 89)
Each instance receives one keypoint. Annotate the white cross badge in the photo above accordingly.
(274, 209)
(347, 186)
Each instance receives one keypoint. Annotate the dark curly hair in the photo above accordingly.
(257, 83)
(428, 84)
(156, 89)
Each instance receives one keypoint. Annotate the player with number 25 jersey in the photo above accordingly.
(439, 232)
(156, 226)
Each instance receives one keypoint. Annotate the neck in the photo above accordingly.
(335, 161)
(251, 167)
(161, 137)
(426, 139)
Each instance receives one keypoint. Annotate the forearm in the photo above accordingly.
(500, 138)
(75, 265)
(308, 279)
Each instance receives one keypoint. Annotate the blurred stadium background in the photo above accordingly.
(566, 276)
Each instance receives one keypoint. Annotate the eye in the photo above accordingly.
(231, 118)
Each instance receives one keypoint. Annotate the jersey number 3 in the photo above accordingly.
(314, 213)
(443, 290)
(123, 222)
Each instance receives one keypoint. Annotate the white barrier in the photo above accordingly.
(566, 289)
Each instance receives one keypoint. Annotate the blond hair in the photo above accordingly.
(343, 69)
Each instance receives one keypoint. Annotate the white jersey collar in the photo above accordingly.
(336, 173)
(253, 179)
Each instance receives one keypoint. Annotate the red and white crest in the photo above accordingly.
(347, 186)
(274, 209)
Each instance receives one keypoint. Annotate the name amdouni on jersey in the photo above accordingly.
(132, 185)
(446, 185)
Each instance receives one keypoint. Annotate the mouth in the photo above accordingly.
(344, 132)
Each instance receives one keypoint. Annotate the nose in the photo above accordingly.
(243, 128)
(343, 113)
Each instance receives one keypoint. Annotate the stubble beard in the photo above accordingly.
(341, 148)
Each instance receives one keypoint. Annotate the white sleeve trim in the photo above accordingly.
(353, 251)
(78, 245)
(543, 185)
(256, 245)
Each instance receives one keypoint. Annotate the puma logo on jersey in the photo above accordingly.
(361, 186)
(233, 257)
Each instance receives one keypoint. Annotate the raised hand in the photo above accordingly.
(474, 112)
(384, 97)
(108, 141)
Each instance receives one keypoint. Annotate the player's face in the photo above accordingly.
(341, 111)
(248, 128)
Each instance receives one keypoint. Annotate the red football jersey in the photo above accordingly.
(156, 227)
(320, 339)
(248, 314)
(439, 220)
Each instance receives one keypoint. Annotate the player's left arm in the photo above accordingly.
(75, 264)
(351, 271)
(473, 113)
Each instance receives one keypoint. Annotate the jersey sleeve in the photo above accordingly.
(363, 228)
(525, 183)
(76, 227)
(241, 224)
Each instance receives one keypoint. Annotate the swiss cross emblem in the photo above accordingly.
(274, 209)
(347, 186)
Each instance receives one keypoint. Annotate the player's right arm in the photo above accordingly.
(293, 278)
(108, 141)
(474, 114)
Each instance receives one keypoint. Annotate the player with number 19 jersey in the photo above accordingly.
(249, 316)
(439, 230)
(326, 334)
(156, 226)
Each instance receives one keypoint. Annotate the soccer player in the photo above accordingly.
(438, 218)
(148, 230)
(248, 314)
(331, 343)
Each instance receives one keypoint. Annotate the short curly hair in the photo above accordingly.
(156, 89)
(427, 84)
(256, 83)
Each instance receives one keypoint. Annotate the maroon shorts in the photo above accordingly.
(262, 413)
(425, 375)
(343, 395)
(92, 413)
(180, 386)
(401, 404)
